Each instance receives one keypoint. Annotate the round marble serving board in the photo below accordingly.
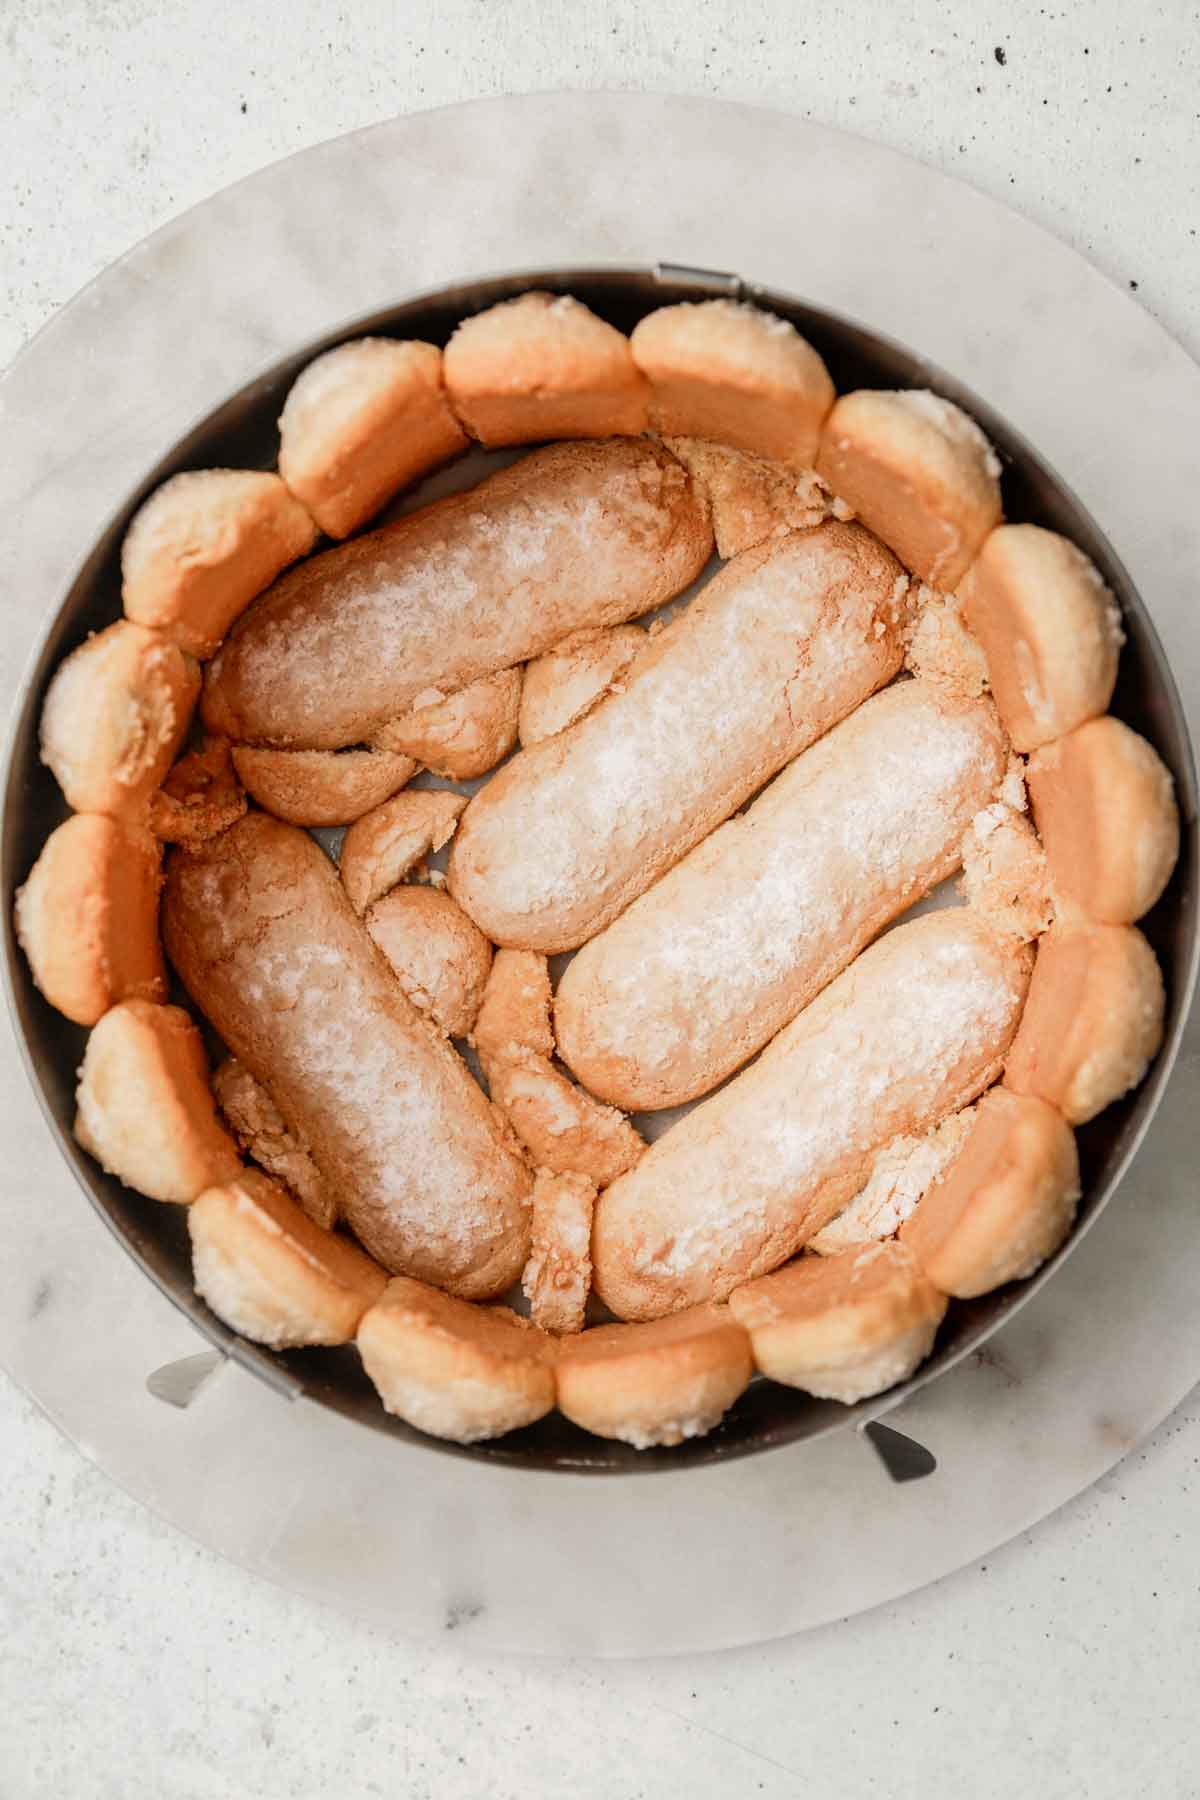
(713, 1556)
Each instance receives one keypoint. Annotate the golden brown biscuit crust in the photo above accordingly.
(540, 367)
(145, 1110)
(320, 787)
(573, 535)
(269, 1272)
(259, 928)
(656, 1383)
(1104, 804)
(842, 1327)
(203, 545)
(1093, 1019)
(361, 422)
(87, 917)
(1004, 1204)
(438, 956)
(116, 712)
(730, 372)
(911, 1031)
(778, 647)
(456, 1371)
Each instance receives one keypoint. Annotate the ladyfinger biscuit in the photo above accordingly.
(569, 680)
(87, 917)
(658, 1383)
(438, 956)
(543, 366)
(203, 545)
(910, 1032)
(701, 971)
(573, 535)
(1049, 628)
(145, 1109)
(388, 842)
(1093, 1020)
(942, 650)
(783, 643)
(901, 1175)
(919, 472)
(727, 371)
(842, 1327)
(259, 928)
(459, 735)
(752, 499)
(361, 422)
(115, 713)
(199, 797)
(564, 1129)
(515, 1013)
(1104, 804)
(270, 1273)
(320, 787)
(262, 1132)
(1004, 1204)
(558, 1274)
(1005, 876)
(456, 1371)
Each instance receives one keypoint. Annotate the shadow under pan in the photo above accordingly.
(242, 433)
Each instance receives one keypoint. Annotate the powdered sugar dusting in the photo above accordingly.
(856, 830)
(952, 422)
(765, 659)
(901, 1174)
(911, 1032)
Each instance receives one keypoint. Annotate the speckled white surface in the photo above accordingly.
(132, 1662)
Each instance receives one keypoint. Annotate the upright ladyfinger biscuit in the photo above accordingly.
(569, 680)
(1104, 804)
(573, 535)
(360, 423)
(1093, 1020)
(271, 1273)
(777, 648)
(459, 1372)
(203, 545)
(842, 1327)
(459, 735)
(87, 917)
(919, 472)
(724, 370)
(656, 1383)
(1004, 1204)
(910, 1032)
(438, 956)
(259, 928)
(320, 787)
(701, 971)
(145, 1110)
(1050, 630)
(540, 367)
(116, 712)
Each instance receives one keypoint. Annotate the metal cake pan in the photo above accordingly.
(242, 433)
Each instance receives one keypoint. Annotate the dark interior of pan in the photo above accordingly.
(242, 433)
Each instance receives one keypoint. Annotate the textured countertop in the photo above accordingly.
(133, 1662)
